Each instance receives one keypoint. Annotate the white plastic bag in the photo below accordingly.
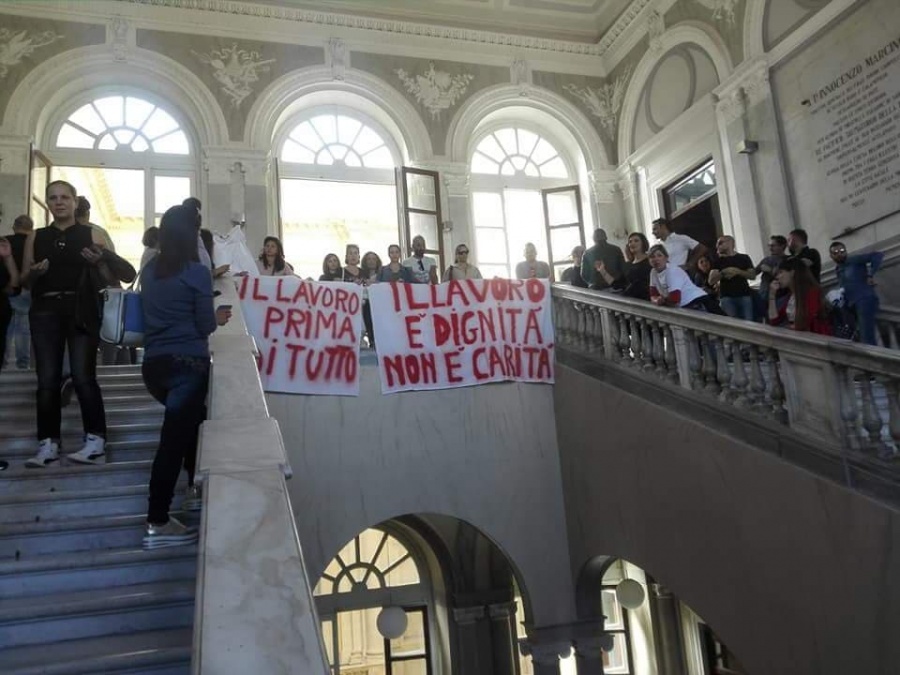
(231, 249)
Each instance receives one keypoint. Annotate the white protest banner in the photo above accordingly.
(462, 333)
(307, 334)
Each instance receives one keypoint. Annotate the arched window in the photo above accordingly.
(130, 156)
(510, 167)
(337, 186)
(373, 571)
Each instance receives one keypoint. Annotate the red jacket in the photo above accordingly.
(818, 320)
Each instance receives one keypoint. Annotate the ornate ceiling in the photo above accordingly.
(577, 20)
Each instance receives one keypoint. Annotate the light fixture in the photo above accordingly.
(746, 147)
(391, 622)
(630, 594)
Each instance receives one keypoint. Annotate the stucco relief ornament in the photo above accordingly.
(15, 46)
(605, 102)
(722, 10)
(656, 26)
(436, 90)
(236, 70)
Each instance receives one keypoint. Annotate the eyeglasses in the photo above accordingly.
(462, 251)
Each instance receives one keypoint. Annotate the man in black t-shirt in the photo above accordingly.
(798, 244)
(731, 272)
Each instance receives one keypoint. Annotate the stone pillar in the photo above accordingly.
(468, 640)
(458, 229)
(545, 656)
(631, 199)
(667, 627)
(15, 164)
(503, 637)
(589, 654)
(239, 187)
(610, 206)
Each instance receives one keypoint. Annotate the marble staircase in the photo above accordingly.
(77, 592)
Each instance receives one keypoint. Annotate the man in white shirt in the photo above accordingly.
(423, 268)
(683, 250)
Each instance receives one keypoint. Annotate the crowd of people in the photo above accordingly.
(51, 279)
(678, 271)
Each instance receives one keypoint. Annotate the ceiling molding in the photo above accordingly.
(321, 18)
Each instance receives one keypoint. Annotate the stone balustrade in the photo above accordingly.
(254, 612)
(889, 327)
(841, 396)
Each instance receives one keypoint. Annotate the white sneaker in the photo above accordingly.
(48, 452)
(91, 453)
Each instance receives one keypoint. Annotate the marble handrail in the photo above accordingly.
(254, 610)
(888, 320)
(839, 394)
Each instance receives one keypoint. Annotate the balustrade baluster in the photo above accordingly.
(849, 408)
(559, 329)
(597, 319)
(892, 386)
(635, 341)
(723, 374)
(670, 357)
(646, 345)
(893, 330)
(709, 365)
(871, 418)
(566, 323)
(695, 360)
(659, 349)
(578, 338)
(756, 391)
(624, 340)
(589, 340)
(739, 380)
(776, 389)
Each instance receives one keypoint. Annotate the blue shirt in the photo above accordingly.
(853, 275)
(178, 311)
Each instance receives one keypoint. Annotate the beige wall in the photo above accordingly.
(795, 574)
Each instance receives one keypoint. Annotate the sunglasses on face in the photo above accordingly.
(462, 252)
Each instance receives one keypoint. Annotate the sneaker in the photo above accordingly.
(48, 452)
(65, 391)
(193, 498)
(172, 533)
(91, 453)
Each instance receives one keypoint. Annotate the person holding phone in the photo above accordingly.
(177, 299)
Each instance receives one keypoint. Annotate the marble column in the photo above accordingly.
(667, 627)
(503, 637)
(608, 201)
(239, 188)
(545, 656)
(15, 164)
(589, 654)
(631, 199)
(470, 649)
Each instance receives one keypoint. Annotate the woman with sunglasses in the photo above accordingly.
(461, 268)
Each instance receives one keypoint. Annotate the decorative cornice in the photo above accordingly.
(333, 19)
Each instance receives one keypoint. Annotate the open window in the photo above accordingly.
(38, 179)
(420, 210)
(564, 225)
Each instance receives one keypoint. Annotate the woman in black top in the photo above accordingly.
(61, 263)
(637, 267)
(331, 268)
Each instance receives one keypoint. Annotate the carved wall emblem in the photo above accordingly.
(435, 90)
(605, 102)
(722, 10)
(15, 46)
(236, 70)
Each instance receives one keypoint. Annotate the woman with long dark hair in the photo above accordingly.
(177, 298)
(271, 261)
(637, 267)
(331, 268)
(803, 307)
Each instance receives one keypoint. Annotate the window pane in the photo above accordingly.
(491, 245)
(173, 144)
(481, 164)
(491, 271)
(527, 141)
(507, 169)
(338, 151)
(615, 662)
(412, 642)
(420, 191)
(137, 111)
(367, 140)
(326, 126)
(112, 110)
(563, 241)
(488, 209)
(88, 118)
(328, 639)
(562, 208)
(294, 152)
(405, 573)
(532, 170)
(140, 144)
(425, 226)
(70, 137)
(555, 168)
(525, 223)
(379, 159)
(612, 611)
(415, 667)
(542, 152)
(360, 645)
(123, 136)
(507, 140)
(169, 191)
(348, 128)
(490, 147)
(159, 124)
(352, 159)
(108, 142)
(306, 135)
(518, 162)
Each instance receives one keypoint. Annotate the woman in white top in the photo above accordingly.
(670, 286)
(271, 261)
(461, 269)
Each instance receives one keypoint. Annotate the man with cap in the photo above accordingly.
(572, 275)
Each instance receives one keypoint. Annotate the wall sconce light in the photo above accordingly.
(746, 147)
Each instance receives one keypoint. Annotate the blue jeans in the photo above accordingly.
(740, 307)
(19, 335)
(180, 383)
(865, 310)
(54, 327)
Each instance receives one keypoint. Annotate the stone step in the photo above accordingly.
(25, 400)
(24, 444)
(105, 374)
(161, 652)
(66, 475)
(95, 613)
(29, 540)
(86, 570)
(16, 417)
(36, 507)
